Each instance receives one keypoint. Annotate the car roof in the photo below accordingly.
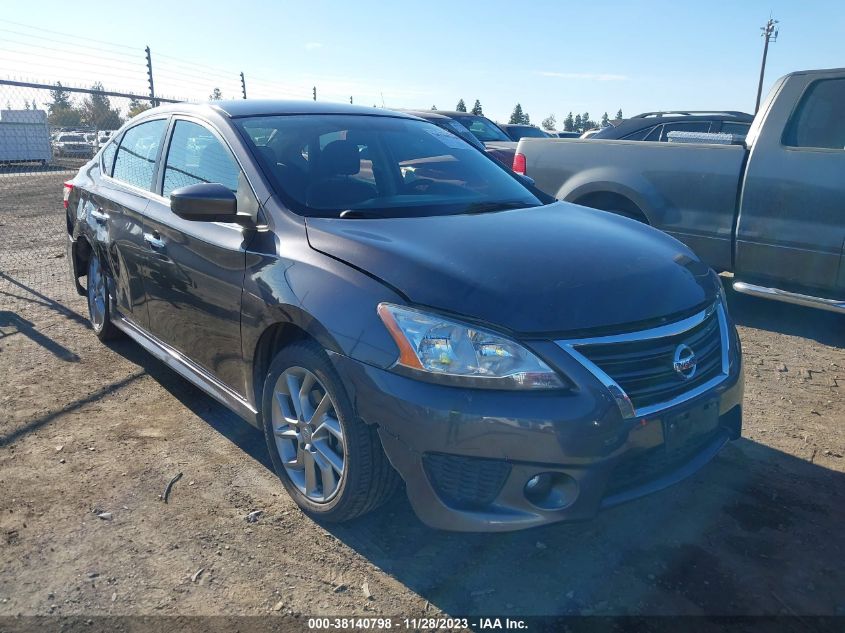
(517, 125)
(425, 114)
(264, 107)
(454, 113)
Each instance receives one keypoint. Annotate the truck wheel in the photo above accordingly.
(329, 461)
(99, 301)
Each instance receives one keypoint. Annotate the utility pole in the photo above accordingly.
(770, 33)
(243, 85)
(314, 89)
(153, 100)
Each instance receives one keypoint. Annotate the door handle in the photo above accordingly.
(99, 216)
(154, 240)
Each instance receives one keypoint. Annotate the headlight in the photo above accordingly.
(454, 353)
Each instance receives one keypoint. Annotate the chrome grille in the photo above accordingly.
(639, 368)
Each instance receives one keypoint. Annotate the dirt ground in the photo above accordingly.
(87, 429)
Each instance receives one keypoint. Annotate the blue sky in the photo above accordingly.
(636, 56)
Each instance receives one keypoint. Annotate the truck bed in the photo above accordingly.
(688, 190)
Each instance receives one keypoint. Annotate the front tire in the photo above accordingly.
(328, 460)
(99, 301)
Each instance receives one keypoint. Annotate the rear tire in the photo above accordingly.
(99, 301)
(328, 460)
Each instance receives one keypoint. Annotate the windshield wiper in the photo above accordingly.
(502, 205)
(356, 214)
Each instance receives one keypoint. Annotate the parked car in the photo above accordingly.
(450, 125)
(566, 134)
(72, 145)
(655, 126)
(384, 301)
(770, 211)
(516, 132)
(499, 145)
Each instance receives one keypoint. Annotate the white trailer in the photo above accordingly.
(24, 136)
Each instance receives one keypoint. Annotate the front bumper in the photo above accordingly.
(466, 455)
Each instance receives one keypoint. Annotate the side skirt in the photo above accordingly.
(189, 370)
(833, 305)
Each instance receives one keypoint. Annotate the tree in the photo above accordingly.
(605, 120)
(434, 107)
(136, 107)
(577, 126)
(476, 109)
(60, 97)
(526, 120)
(461, 107)
(61, 111)
(586, 123)
(549, 122)
(619, 115)
(216, 95)
(517, 116)
(569, 123)
(97, 111)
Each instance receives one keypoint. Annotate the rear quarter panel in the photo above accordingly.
(687, 190)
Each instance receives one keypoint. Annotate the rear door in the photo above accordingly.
(194, 278)
(791, 228)
(119, 203)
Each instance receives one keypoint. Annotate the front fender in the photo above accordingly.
(332, 302)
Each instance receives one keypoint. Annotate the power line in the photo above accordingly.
(41, 29)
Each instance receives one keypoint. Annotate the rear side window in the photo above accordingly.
(108, 158)
(136, 156)
(196, 156)
(817, 121)
(640, 135)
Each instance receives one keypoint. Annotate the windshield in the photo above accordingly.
(71, 138)
(527, 131)
(375, 166)
(484, 129)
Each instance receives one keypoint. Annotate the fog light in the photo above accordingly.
(551, 491)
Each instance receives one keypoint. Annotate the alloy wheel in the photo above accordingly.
(309, 436)
(96, 294)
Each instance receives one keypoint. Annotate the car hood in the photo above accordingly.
(552, 269)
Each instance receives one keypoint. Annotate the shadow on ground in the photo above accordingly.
(757, 531)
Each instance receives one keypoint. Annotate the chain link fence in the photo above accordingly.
(46, 134)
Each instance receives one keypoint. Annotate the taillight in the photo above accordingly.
(68, 189)
(519, 163)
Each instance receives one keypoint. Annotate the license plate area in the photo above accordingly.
(685, 428)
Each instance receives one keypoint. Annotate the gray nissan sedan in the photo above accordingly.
(388, 303)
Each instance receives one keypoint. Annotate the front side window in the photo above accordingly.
(818, 121)
(323, 165)
(740, 129)
(136, 156)
(196, 155)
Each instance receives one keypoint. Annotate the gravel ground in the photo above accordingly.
(87, 429)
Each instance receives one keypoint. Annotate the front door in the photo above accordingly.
(195, 271)
(791, 228)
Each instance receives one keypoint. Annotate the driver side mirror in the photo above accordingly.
(205, 202)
